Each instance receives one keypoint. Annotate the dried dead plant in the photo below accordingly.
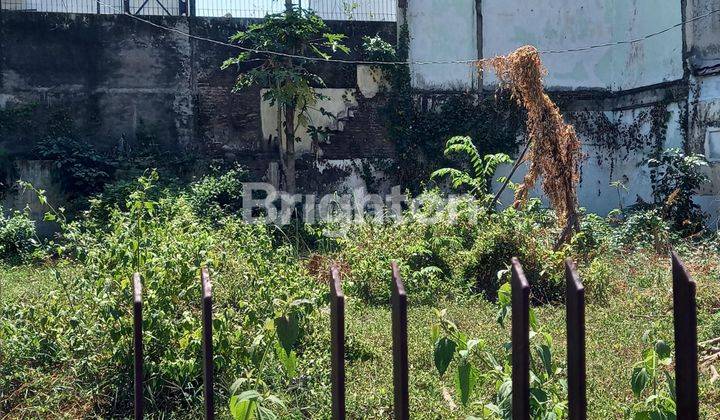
(554, 150)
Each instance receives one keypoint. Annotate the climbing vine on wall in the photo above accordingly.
(420, 124)
(617, 139)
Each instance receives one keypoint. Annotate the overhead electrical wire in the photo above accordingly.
(395, 63)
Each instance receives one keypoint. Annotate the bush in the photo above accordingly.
(218, 195)
(90, 328)
(17, 236)
(80, 168)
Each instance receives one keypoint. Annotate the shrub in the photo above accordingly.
(80, 168)
(218, 195)
(518, 234)
(90, 328)
(17, 236)
(676, 177)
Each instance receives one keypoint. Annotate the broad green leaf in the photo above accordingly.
(545, 354)
(444, 352)
(505, 294)
(242, 409)
(662, 349)
(264, 413)
(288, 360)
(538, 396)
(465, 380)
(288, 329)
(639, 380)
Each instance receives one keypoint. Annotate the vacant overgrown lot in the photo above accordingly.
(66, 323)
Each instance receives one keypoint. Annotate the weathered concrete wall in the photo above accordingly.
(568, 24)
(615, 147)
(443, 30)
(118, 80)
(703, 57)
(618, 96)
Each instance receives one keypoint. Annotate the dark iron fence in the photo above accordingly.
(685, 323)
(364, 10)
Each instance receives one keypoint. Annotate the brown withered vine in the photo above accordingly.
(554, 149)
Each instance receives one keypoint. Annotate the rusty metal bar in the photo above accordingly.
(400, 346)
(686, 347)
(520, 343)
(207, 345)
(575, 321)
(138, 345)
(337, 344)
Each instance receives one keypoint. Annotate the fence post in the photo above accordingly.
(686, 348)
(208, 365)
(126, 6)
(400, 346)
(575, 319)
(138, 345)
(520, 343)
(192, 10)
(337, 345)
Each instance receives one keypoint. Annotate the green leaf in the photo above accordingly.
(671, 386)
(545, 354)
(662, 349)
(465, 380)
(444, 352)
(264, 413)
(242, 409)
(288, 330)
(505, 294)
(641, 415)
(639, 380)
(435, 332)
(538, 396)
(533, 320)
(288, 360)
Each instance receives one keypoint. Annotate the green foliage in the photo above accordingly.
(377, 49)
(651, 382)
(676, 177)
(251, 405)
(420, 126)
(290, 82)
(167, 243)
(482, 168)
(215, 196)
(476, 365)
(270, 306)
(80, 169)
(18, 240)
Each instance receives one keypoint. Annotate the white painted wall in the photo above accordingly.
(337, 102)
(568, 24)
(705, 115)
(599, 169)
(442, 30)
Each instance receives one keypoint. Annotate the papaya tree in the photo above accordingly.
(272, 59)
